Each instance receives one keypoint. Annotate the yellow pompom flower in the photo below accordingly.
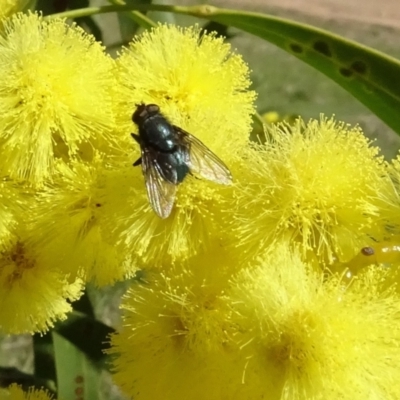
(76, 216)
(384, 254)
(196, 221)
(320, 184)
(95, 221)
(55, 95)
(277, 330)
(11, 200)
(305, 337)
(383, 250)
(33, 293)
(178, 325)
(15, 392)
(201, 86)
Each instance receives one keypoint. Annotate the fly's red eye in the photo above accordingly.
(152, 108)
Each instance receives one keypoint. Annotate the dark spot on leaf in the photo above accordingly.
(296, 48)
(359, 66)
(323, 48)
(346, 72)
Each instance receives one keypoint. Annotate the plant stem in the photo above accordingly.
(84, 12)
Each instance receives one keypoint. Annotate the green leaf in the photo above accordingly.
(25, 5)
(71, 355)
(162, 17)
(44, 366)
(369, 75)
(89, 335)
(131, 21)
(77, 377)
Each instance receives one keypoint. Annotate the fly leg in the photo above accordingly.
(137, 139)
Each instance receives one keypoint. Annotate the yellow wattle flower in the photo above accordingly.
(277, 330)
(202, 86)
(15, 392)
(196, 221)
(179, 323)
(55, 96)
(306, 336)
(320, 184)
(383, 250)
(76, 217)
(34, 293)
(11, 206)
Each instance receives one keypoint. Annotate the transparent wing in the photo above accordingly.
(160, 192)
(202, 161)
(166, 166)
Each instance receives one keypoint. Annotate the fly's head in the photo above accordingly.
(144, 111)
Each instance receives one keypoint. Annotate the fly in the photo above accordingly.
(168, 154)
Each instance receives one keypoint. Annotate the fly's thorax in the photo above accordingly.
(158, 133)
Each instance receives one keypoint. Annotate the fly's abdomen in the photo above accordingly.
(182, 169)
(172, 166)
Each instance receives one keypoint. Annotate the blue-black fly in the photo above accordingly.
(168, 154)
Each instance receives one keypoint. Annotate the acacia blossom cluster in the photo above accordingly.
(259, 289)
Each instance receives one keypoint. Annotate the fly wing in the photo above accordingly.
(160, 192)
(165, 164)
(202, 161)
